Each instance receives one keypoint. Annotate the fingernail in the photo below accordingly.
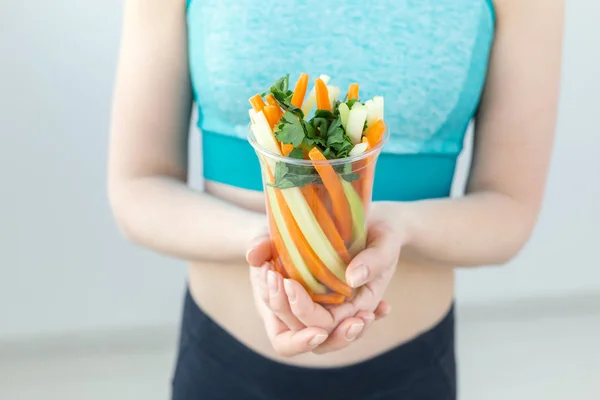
(289, 290)
(317, 340)
(359, 276)
(354, 330)
(369, 318)
(272, 282)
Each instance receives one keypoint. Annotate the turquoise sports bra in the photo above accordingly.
(428, 58)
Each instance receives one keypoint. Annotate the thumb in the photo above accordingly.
(260, 251)
(381, 253)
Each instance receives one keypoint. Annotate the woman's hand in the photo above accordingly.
(295, 324)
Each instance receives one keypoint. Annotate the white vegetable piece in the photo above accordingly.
(379, 106)
(263, 133)
(311, 100)
(375, 107)
(356, 122)
(372, 112)
(344, 113)
(358, 149)
(334, 94)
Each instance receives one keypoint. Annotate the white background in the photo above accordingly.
(63, 265)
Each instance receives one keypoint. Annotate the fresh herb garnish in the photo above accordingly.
(291, 130)
(288, 175)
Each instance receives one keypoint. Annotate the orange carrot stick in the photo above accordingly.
(286, 260)
(326, 222)
(272, 114)
(314, 264)
(271, 100)
(257, 102)
(341, 208)
(322, 94)
(286, 148)
(375, 133)
(300, 90)
(329, 298)
(353, 91)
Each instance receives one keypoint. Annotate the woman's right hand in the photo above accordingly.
(288, 335)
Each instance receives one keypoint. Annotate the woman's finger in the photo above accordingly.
(381, 254)
(260, 252)
(382, 310)
(292, 343)
(345, 333)
(312, 314)
(258, 279)
(288, 343)
(278, 301)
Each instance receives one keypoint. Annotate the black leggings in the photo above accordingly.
(213, 365)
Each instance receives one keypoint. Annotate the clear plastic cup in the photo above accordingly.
(317, 213)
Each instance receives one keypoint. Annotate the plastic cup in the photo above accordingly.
(317, 212)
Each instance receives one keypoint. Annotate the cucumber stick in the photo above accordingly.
(290, 246)
(359, 229)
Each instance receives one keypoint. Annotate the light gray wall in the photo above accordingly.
(63, 266)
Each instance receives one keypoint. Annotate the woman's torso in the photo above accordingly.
(427, 58)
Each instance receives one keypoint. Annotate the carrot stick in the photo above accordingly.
(272, 114)
(257, 102)
(375, 133)
(271, 100)
(286, 260)
(300, 90)
(341, 208)
(326, 222)
(286, 148)
(322, 94)
(314, 264)
(353, 92)
(329, 298)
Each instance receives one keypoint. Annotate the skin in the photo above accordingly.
(413, 248)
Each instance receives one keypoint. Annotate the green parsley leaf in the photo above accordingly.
(291, 130)
(297, 153)
(288, 175)
(347, 174)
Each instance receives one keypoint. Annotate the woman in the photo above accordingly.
(439, 64)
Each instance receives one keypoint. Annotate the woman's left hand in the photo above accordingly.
(370, 271)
